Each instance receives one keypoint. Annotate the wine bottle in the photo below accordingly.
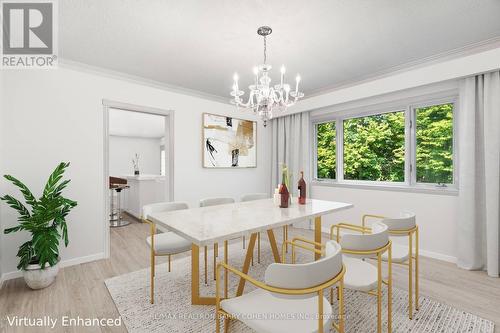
(285, 195)
(302, 189)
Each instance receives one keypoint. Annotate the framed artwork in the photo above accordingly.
(229, 142)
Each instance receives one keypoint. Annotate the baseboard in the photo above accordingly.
(64, 263)
(422, 252)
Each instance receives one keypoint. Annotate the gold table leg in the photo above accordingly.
(274, 246)
(195, 279)
(317, 236)
(196, 299)
(246, 264)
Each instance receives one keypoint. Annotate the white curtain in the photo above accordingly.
(291, 146)
(479, 173)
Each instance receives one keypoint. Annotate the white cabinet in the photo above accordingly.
(144, 189)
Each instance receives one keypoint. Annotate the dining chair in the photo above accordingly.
(406, 255)
(166, 243)
(361, 275)
(214, 202)
(290, 299)
(252, 197)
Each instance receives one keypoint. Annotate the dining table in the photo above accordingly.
(204, 226)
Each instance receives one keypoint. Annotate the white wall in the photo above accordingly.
(122, 150)
(2, 150)
(436, 214)
(57, 115)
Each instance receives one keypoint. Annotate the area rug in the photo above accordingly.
(173, 312)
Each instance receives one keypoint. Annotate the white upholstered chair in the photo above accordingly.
(252, 197)
(290, 300)
(361, 275)
(163, 244)
(214, 202)
(407, 255)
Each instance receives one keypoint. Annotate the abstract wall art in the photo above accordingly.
(229, 142)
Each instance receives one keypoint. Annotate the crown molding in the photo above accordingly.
(79, 66)
(464, 51)
(467, 50)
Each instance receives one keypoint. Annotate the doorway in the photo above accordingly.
(138, 162)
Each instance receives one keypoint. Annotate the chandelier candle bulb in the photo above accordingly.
(282, 74)
(297, 80)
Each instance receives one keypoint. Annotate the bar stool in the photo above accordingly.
(117, 185)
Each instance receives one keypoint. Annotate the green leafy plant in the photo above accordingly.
(46, 220)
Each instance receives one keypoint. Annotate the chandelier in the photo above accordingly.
(264, 98)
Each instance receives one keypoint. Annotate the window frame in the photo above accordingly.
(413, 128)
(409, 108)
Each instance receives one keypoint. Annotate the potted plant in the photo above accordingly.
(46, 222)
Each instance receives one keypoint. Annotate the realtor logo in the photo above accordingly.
(29, 34)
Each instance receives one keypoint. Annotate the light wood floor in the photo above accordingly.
(80, 290)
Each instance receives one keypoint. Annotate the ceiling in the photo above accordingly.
(136, 124)
(198, 45)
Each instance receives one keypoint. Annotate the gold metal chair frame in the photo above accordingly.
(152, 261)
(412, 258)
(378, 252)
(221, 314)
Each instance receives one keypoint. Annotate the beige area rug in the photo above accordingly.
(173, 312)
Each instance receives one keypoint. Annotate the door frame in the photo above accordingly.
(169, 156)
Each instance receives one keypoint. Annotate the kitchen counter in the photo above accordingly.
(144, 189)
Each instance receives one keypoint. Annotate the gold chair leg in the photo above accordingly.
(206, 265)
(252, 256)
(416, 270)
(340, 289)
(285, 237)
(169, 262)
(216, 253)
(320, 311)
(379, 293)
(217, 323)
(389, 290)
(258, 247)
(226, 324)
(410, 277)
(152, 292)
(225, 273)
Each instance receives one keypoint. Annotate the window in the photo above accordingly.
(434, 146)
(374, 147)
(326, 150)
(410, 146)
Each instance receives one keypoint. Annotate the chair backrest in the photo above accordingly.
(162, 207)
(215, 201)
(254, 196)
(300, 276)
(406, 221)
(366, 242)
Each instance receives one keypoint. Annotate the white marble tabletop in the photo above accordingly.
(206, 225)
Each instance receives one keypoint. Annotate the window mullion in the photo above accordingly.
(339, 127)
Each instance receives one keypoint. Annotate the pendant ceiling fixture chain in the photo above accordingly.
(265, 99)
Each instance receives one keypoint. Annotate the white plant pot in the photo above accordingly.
(38, 278)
